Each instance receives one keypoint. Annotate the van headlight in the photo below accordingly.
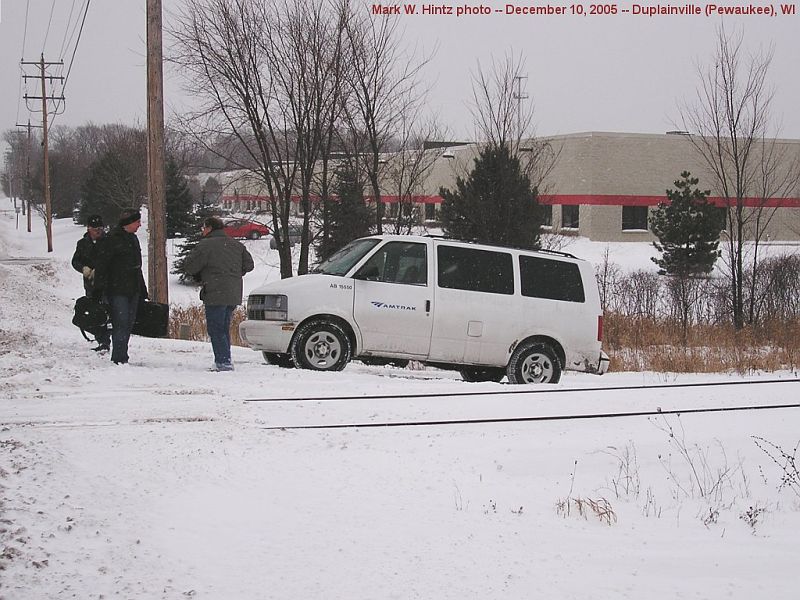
(269, 307)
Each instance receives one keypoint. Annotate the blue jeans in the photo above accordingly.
(123, 316)
(218, 324)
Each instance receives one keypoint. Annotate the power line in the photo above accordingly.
(66, 30)
(21, 58)
(72, 59)
(47, 33)
(75, 49)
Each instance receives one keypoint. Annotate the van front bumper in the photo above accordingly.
(267, 336)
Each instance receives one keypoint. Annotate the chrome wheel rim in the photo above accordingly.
(537, 368)
(322, 349)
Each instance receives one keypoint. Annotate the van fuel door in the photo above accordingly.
(475, 328)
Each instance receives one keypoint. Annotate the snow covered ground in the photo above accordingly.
(158, 480)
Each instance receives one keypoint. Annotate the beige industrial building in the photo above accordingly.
(602, 185)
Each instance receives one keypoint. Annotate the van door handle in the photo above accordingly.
(427, 306)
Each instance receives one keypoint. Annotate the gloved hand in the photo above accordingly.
(88, 273)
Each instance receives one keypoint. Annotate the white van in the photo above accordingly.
(483, 310)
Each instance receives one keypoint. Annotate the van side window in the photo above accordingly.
(475, 270)
(397, 262)
(551, 279)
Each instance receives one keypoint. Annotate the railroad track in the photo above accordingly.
(540, 389)
(528, 419)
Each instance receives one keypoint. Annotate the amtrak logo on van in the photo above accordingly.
(392, 306)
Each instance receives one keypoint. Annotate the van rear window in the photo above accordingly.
(475, 270)
(551, 279)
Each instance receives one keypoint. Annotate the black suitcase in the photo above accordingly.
(152, 319)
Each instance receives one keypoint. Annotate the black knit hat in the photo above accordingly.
(128, 216)
(94, 221)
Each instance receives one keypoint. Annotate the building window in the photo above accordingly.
(547, 215)
(570, 217)
(634, 218)
(430, 211)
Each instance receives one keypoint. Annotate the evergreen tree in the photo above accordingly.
(496, 204)
(348, 214)
(687, 227)
(180, 219)
(204, 209)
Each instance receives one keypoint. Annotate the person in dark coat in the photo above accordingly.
(118, 272)
(219, 262)
(83, 261)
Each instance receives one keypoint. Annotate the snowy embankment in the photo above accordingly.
(157, 480)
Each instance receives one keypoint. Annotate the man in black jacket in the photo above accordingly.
(84, 261)
(219, 262)
(119, 274)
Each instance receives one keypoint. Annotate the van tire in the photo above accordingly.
(534, 362)
(321, 345)
(278, 359)
(478, 374)
(254, 235)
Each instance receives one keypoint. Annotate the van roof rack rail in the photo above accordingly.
(544, 250)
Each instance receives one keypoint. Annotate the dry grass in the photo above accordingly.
(636, 344)
(190, 324)
(601, 508)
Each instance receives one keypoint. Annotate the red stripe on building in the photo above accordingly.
(559, 199)
(631, 200)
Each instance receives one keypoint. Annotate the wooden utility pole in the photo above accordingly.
(26, 194)
(48, 215)
(156, 214)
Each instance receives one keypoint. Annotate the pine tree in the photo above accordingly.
(687, 227)
(349, 216)
(180, 219)
(204, 209)
(496, 204)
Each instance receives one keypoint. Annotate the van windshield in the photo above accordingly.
(341, 261)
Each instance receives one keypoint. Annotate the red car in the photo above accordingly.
(243, 228)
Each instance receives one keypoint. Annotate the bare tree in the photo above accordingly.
(382, 86)
(304, 50)
(256, 70)
(730, 126)
(408, 168)
(504, 117)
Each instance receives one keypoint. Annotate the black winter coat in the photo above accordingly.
(86, 251)
(118, 270)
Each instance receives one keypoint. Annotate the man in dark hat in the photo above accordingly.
(219, 262)
(84, 261)
(118, 272)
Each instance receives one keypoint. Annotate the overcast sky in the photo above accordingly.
(604, 73)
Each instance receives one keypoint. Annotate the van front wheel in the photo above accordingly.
(321, 345)
(534, 362)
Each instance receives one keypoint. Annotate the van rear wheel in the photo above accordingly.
(534, 362)
(321, 345)
(477, 374)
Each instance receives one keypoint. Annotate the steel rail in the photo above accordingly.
(442, 422)
(541, 390)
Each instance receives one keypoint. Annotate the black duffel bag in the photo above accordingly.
(90, 315)
(152, 319)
